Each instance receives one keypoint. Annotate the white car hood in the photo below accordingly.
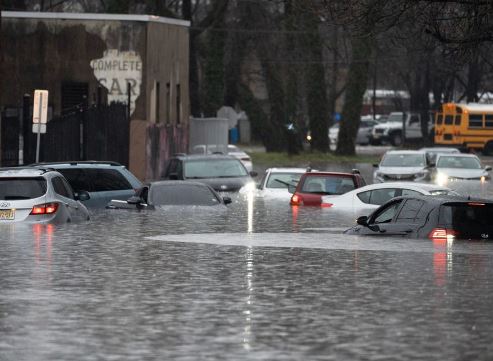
(463, 173)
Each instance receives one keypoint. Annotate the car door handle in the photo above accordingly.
(408, 230)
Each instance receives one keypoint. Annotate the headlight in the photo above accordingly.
(441, 179)
(420, 175)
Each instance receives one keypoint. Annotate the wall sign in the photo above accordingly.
(115, 70)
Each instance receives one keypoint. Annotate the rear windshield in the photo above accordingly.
(95, 180)
(403, 160)
(470, 220)
(328, 184)
(214, 168)
(21, 188)
(182, 195)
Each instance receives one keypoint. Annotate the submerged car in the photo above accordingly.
(275, 182)
(432, 152)
(39, 196)
(436, 218)
(453, 167)
(224, 173)
(364, 200)
(312, 186)
(103, 181)
(229, 149)
(172, 193)
(402, 165)
(362, 137)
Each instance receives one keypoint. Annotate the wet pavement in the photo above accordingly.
(261, 281)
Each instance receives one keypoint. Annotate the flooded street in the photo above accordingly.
(259, 282)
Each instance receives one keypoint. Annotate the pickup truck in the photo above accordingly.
(391, 131)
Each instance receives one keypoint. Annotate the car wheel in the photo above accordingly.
(488, 148)
(396, 139)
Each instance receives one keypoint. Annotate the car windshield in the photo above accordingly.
(22, 188)
(403, 160)
(328, 184)
(458, 162)
(182, 194)
(214, 168)
(282, 180)
(470, 220)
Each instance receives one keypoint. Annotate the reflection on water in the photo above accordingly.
(262, 281)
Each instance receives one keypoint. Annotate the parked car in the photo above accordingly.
(363, 135)
(172, 193)
(452, 167)
(229, 149)
(392, 132)
(364, 200)
(224, 173)
(313, 185)
(432, 152)
(436, 218)
(103, 181)
(39, 196)
(275, 182)
(402, 165)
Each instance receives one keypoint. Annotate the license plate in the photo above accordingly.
(7, 214)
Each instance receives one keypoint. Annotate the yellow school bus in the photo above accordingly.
(468, 126)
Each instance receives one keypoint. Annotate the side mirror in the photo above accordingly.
(173, 176)
(227, 200)
(488, 168)
(362, 221)
(82, 196)
(135, 200)
(253, 174)
(375, 165)
(432, 165)
(291, 188)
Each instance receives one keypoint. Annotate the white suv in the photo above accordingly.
(39, 196)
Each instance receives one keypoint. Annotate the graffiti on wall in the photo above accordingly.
(115, 70)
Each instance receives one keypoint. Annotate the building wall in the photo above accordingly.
(106, 54)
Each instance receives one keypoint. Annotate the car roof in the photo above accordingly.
(440, 149)
(345, 174)
(287, 170)
(203, 156)
(459, 155)
(404, 152)
(444, 199)
(178, 182)
(85, 164)
(24, 172)
(414, 185)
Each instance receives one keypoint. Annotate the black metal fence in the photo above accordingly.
(97, 133)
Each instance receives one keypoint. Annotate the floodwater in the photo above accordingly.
(260, 281)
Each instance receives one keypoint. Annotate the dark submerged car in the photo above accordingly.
(441, 217)
(224, 173)
(172, 193)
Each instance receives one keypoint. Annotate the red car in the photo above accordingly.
(313, 185)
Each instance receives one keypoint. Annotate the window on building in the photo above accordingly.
(178, 104)
(74, 97)
(157, 93)
(168, 103)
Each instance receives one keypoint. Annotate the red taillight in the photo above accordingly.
(442, 233)
(47, 208)
(296, 200)
(326, 205)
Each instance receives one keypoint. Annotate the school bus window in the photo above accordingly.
(439, 119)
(457, 119)
(476, 120)
(449, 119)
(488, 121)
